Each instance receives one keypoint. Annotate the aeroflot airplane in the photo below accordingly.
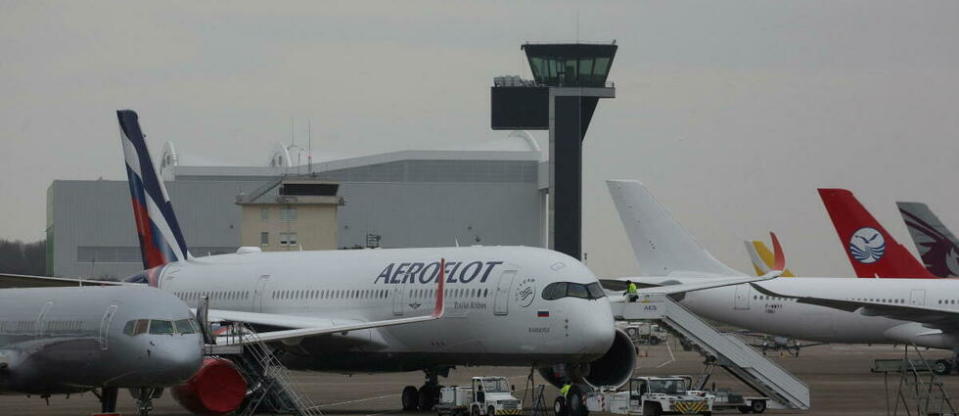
(504, 305)
(920, 311)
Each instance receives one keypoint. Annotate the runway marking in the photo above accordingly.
(360, 400)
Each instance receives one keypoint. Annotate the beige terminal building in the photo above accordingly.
(290, 213)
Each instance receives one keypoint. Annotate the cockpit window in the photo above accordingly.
(158, 327)
(184, 326)
(596, 291)
(559, 290)
(554, 291)
(136, 327)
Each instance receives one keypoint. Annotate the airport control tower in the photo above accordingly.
(568, 81)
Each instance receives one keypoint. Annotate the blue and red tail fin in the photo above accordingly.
(872, 251)
(161, 240)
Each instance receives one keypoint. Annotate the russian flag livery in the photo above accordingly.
(161, 240)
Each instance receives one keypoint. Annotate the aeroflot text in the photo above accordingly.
(456, 271)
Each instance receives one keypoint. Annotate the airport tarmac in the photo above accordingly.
(838, 375)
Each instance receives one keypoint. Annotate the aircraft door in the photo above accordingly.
(917, 297)
(501, 301)
(259, 293)
(742, 297)
(399, 299)
(40, 326)
(105, 326)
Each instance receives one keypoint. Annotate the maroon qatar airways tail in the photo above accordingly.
(872, 251)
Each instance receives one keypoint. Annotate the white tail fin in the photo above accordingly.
(662, 246)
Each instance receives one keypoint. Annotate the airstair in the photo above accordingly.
(724, 350)
(269, 387)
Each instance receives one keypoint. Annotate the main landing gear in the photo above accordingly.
(427, 395)
(108, 399)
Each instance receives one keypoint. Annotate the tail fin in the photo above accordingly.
(763, 258)
(872, 251)
(161, 241)
(934, 242)
(661, 246)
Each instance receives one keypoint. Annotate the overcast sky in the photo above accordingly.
(733, 113)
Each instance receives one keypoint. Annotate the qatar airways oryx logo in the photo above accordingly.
(867, 245)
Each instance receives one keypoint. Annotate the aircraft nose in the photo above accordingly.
(597, 329)
(179, 357)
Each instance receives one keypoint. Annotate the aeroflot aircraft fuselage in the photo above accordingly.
(496, 313)
(744, 306)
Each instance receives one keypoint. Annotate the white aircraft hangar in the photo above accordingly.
(491, 194)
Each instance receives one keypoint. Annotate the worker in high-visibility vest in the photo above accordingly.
(631, 291)
(563, 391)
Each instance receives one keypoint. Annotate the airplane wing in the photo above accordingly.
(672, 287)
(9, 281)
(929, 316)
(304, 326)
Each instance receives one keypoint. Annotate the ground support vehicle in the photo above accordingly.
(728, 400)
(485, 396)
(652, 396)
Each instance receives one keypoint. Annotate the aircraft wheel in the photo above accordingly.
(576, 406)
(559, 406)
(942, 367)
(410, 398)
(428, 397)
(758, 406)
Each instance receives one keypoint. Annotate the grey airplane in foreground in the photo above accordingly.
(75, 339)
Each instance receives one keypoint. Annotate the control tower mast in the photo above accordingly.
(568, 81)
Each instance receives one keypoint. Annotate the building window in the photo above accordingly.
(265, 214)
(288, 239)
(264, 238)
(288, 213)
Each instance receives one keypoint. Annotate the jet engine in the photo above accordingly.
(612, 369)
(217, 388)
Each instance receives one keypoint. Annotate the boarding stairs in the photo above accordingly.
(724, 350)
(919, 391)
(269, 387)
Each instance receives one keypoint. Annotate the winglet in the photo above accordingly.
(440, 307)
(780, 256)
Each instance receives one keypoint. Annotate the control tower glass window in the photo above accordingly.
(570, 64)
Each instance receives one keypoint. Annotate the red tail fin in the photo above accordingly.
(872, 251)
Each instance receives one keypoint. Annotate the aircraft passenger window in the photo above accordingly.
(158, 327)
(183, 326)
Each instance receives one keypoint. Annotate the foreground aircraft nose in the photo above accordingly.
(177, 358)
(597, 329)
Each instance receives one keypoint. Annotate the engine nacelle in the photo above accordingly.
(611, 370)
(216, 389)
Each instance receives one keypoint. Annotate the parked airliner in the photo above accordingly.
(516, 306)
(65, 340)
(838, 310)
